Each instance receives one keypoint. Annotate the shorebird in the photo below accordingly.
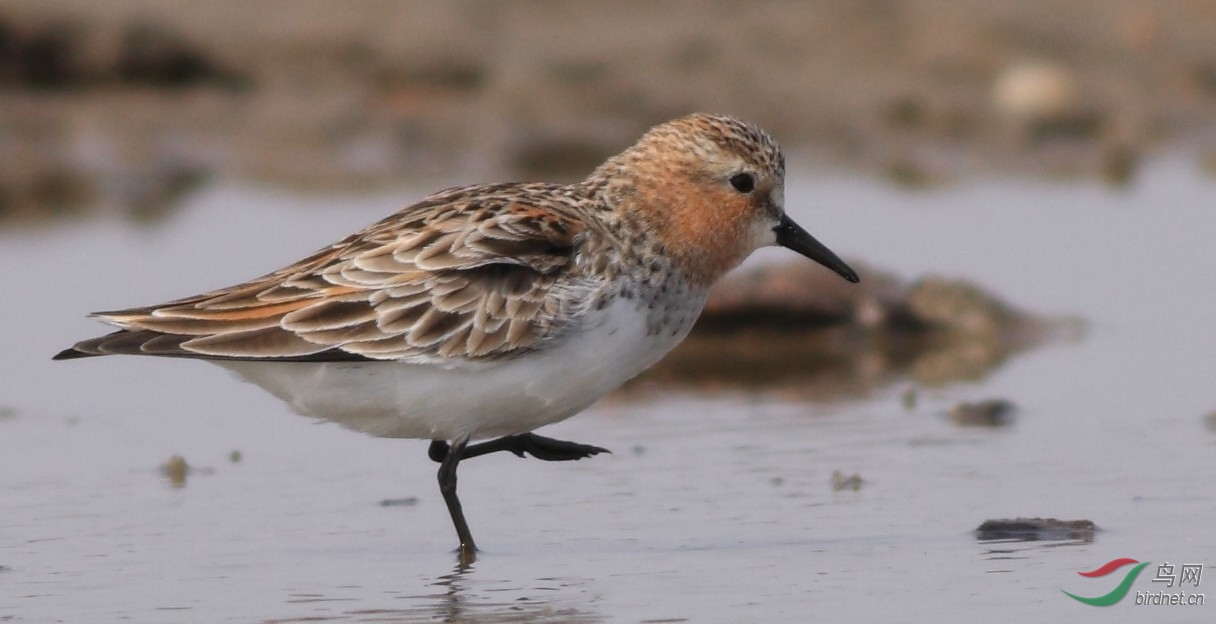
(485, 312)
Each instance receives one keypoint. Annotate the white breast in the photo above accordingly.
(391, 399)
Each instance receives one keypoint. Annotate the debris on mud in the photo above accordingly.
(408, 501)
(176, 469)
(840, 481)
(1036, 529)
(801, 329)
(987, 413)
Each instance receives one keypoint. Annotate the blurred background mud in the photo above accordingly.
(130, 102)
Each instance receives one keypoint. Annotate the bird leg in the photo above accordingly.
(447, 487)
(449, 455)
(540, 447)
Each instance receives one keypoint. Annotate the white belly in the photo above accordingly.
(392, 399)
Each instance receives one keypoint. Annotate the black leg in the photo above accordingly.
(447, 487)
(540, 447)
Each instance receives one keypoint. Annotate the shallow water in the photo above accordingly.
(712, 509)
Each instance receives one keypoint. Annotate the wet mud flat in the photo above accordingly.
(722, 501)
(129, 103)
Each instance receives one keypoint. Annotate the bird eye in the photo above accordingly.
(743, 182)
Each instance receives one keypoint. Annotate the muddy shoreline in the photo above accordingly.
(130, 102)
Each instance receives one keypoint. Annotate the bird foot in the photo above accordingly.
(540, 447)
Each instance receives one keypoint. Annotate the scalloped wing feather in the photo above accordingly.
(472, 273)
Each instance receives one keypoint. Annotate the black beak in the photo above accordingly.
(791, 236)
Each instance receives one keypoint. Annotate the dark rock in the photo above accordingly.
(802, 328)
(1036, 529)
(989, 413)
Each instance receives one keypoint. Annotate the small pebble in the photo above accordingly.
(176, 469)
(842, 482)
(989, 413)
(408, 501)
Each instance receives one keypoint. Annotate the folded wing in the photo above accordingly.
(471, 273)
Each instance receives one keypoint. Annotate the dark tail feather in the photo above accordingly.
(147, 342)
(101, 345)
(132, 342)
(72, 353)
